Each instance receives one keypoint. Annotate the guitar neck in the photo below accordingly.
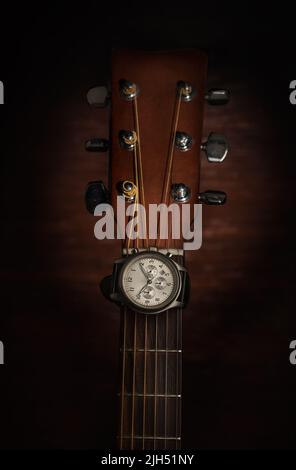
(151, 379)
(156, 137)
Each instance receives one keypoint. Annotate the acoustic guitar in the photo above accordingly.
(157, 100)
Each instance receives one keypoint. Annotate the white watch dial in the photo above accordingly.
(149, 281)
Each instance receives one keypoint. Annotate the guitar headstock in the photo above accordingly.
(157, 104)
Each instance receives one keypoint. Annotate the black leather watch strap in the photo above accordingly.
(185, 289)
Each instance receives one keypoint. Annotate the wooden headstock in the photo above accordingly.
(156, 74)
(156, 134)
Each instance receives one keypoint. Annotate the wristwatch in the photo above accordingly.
(149, 282)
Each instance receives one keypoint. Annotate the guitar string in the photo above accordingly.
(136, 175)
(169, 176)
(141, 180)
(144, 385)
(166, 376)
(168, 172)
(134, 381)
(140, 199)
(123, 378)
(155, 383)
(180, 374)
(175, 120)
(177, 373)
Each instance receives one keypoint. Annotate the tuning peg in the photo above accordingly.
(98, 96)
(216, 148)
(97, 145)
(212, 197)
(216, 96)
(96, 193)
(180, 192)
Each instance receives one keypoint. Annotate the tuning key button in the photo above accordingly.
(186, 90)
(212, 197)
(180, 192)
(216, 148)
(127, 189)
(98, 96)
(217, 97)
(127, 139)
(128, 90)
(97, 145)
(183, 141)
(96, 193)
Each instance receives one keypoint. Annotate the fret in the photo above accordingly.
(150, 395)
(178, 438)
(150, 442)
(152, 350)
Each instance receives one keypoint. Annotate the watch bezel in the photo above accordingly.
(164, 305)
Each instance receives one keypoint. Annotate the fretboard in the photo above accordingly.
(151, 380)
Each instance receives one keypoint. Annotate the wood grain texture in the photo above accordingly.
(157, 74)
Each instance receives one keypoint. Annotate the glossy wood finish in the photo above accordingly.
(157, 74)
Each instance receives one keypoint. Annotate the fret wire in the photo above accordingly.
(153, 437)
(153, 350)
(159, 395)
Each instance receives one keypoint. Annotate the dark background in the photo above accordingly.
(58, 384)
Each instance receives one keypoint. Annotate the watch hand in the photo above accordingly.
(143, 271)
(143, 288)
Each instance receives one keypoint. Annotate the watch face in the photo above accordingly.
(149, 282)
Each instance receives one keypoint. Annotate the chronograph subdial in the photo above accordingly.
(151, 271)
(148, 292)
(160, 283)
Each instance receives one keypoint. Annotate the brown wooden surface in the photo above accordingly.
(157, 74)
